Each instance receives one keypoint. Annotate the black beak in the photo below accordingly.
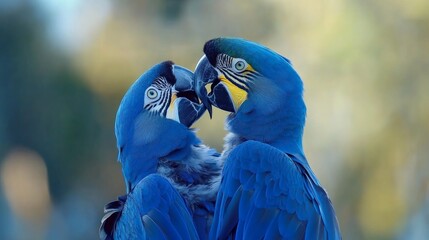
(184, 79)
(188, 107)
(219, 95)
(204, 74)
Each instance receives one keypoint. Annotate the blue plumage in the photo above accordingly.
(268, 189)
(154, 210)
(171, 177)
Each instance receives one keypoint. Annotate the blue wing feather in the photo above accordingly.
(272, 231)
(164, 223)
(153, 210)
(273, 197)
(152, 229)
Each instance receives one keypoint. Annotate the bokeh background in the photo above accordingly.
(65, 65)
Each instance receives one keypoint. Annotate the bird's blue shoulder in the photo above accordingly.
(266, 194)
(153, 210)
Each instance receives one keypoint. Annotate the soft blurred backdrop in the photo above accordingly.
(65, 65)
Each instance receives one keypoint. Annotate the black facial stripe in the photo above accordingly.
(150, 106)
(236, 77)
(166, 98)
(223, 61)
(234, 81)
(241, 79)
(160, 83)
(159, 106)
(251, 75)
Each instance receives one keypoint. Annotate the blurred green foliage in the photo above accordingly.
(64, 69)
(47, 106)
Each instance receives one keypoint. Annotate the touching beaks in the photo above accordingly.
(219, 94)
(185, 106)
(204, 74)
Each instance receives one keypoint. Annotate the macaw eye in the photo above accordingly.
(152, 94)
(240, 65)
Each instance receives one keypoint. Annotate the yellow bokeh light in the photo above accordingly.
(25, 183)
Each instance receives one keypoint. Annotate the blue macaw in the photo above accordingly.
(162, 161)
(268, 190)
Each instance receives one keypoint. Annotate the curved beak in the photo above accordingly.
(185, 106)
(184, 78)
(204, 74)
(219, 94)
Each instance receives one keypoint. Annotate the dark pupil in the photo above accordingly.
(151, 93)
(239, 65)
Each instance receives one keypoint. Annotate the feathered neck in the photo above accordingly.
(279, 124)
(153, 138)
(197, 176)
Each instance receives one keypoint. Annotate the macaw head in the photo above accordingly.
(259, 86)
(153, 119)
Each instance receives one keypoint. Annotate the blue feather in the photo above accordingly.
(179, 201)
(259, 206)
(264, 158)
